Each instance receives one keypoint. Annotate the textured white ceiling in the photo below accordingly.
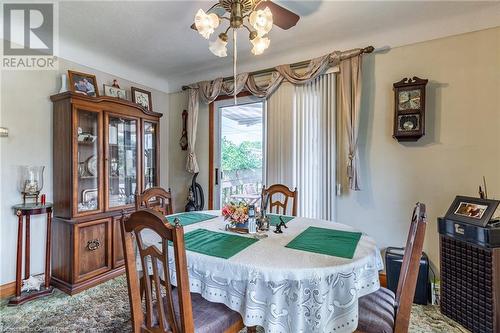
(151, 42)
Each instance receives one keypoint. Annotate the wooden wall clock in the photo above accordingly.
(409, 109)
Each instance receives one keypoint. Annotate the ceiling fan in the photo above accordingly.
(256, 16)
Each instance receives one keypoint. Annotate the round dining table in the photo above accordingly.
(282, 289)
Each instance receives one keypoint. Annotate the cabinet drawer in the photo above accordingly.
(92, 241)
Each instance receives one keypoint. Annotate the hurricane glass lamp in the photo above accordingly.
(31, 182)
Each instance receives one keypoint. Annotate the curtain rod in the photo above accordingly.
(368, 49)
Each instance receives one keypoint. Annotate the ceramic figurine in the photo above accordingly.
(64, 83)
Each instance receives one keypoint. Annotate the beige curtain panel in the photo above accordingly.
(350, 94)
(208, 91)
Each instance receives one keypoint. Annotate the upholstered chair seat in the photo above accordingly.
(376, 312)
(208, 317)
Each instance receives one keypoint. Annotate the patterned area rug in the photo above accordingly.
(105, 308)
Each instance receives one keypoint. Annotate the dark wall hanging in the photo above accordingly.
(196, 199)
(409, 109)
(184, 141)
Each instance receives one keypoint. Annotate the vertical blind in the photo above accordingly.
(301, 144)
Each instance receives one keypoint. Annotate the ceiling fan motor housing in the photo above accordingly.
(238, 9)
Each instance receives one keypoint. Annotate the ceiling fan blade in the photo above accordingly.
(282, 17)
(217, 9)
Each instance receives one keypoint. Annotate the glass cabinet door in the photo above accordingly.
(87, 147)
(122, 161)
(150, 167)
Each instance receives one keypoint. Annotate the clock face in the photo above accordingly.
(410, 122)
(183, 141)
(409, 100)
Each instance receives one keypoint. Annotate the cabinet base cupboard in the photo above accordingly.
(105, 151)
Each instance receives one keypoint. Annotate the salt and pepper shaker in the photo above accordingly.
(252, 225)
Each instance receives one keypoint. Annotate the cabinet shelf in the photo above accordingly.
(124, 177)
(126, 147)
(87, 143)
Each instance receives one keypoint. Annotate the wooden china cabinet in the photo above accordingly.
(105, 150)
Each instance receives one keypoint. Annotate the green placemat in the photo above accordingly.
(274, 219)
(216, 244)
(331, 242)
(190, 218)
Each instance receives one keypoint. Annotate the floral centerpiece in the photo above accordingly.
(235, 212)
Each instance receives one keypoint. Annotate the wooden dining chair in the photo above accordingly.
(156, 198)
(280, 206)
(386, 312)
(167, 309)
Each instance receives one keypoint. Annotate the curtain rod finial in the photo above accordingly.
(368, 49)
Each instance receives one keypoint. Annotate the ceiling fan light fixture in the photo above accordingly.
(262, 20)
(260, 44)
(219, 46)
(206, 23)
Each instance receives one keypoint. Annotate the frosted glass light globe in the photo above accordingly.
(262, 21)
(206, 23)
(260, 44)
(218, 47)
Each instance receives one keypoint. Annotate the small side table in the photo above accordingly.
(27, 210)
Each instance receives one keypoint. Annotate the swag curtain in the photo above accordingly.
(208, 91)
(301, 124)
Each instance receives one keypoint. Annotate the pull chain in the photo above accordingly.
(235, 58)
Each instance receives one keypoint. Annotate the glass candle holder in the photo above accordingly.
(31, 181)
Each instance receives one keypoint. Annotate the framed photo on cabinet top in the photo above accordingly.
(142, 97)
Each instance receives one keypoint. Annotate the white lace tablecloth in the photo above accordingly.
(281, 289)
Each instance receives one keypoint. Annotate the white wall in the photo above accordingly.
(461, 144)
(26, 111)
